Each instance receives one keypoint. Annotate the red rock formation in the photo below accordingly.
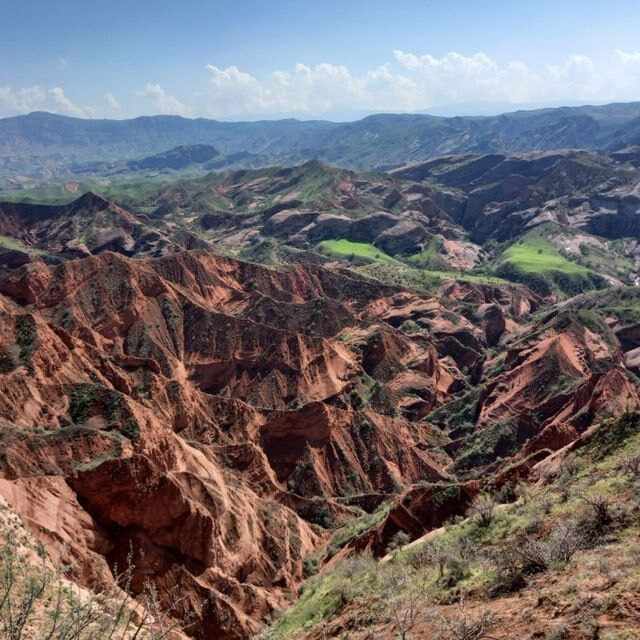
(217, 418)
(204, 413)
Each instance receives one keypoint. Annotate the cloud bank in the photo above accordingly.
(408, 82)
(413, 82)
(36, 98)
(164, 103)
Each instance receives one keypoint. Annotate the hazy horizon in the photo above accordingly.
(445, 111)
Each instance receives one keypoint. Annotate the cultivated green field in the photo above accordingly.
(535, 261)
(345, 249)
(537, 255)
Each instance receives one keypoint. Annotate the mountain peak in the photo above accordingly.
(91, 200)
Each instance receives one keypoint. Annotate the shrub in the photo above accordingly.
(465, 625)
(601, 516)
(322, 517)
(26, 339)
(7, 362)
(559, 633)
(451, 558)
(523, 491)
(506, 493)
(611, 435)
(404, 601)
(406, 612)
(526, 555)
(509, 576)
(482, 508)
(484, 446)
(37, 602)
(631, 466)
(556, 549)
(428, 555)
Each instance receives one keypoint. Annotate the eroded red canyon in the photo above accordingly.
(220, 418)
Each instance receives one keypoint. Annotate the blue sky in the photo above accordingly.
(337, 59)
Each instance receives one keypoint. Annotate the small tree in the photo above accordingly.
(404, 598)
(430, 554)
(406, 612)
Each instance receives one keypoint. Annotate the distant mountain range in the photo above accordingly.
(46, 144)
(176, 159)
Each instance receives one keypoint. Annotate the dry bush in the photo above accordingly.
(600, 516)
(404, 594)
(509, 570)
(506, 494)
(430, 554)
(407, 611)
(482, 508)
(349, 576)
(465, 625)
(556, 549)
(527, 554)
(37, 602)
(631, 466)
(451, 558)
(569, 470)
(601, 511)
(525, 491)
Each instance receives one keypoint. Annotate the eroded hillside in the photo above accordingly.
(220, 420)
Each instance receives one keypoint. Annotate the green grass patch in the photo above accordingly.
(476, 278)
(348, 250)
(535, 262)
(318, 602)
(398, 274)
(356, 527)
(430, 256)
(537, 255)
(15, 245)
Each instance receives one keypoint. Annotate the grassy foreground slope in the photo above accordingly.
(554, 560)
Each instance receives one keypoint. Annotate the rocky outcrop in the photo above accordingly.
(88, 225)
(423, 508)
(503, 195)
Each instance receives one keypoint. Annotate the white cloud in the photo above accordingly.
(414, 82)
(112, 102)
(64, 105)
(410, 81)
(305, 90)
(36, 98)
(628, 57)
(24, 100)
(163, 102)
